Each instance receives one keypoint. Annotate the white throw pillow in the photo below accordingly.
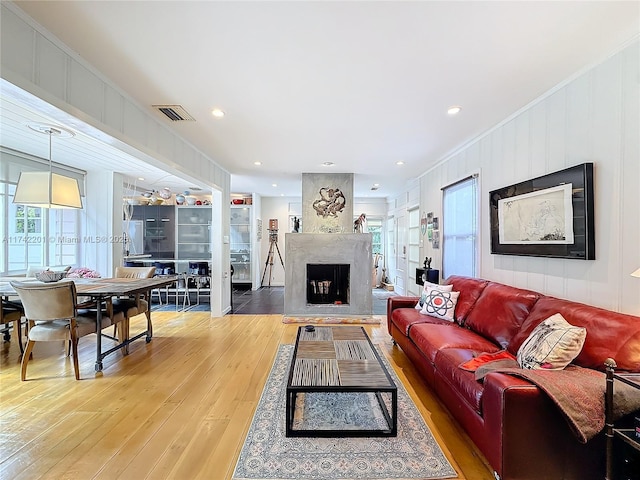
(440, 304)
(552, 345)
(442, 288)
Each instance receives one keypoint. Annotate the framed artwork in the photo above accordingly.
(295, 224)
(436, 239)
(430, 226)
(259, 229)
(548, 216)
(423, 223)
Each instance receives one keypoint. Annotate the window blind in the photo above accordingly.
(12, 162)
(460, 228)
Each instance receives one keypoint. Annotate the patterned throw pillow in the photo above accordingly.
(552, 345)
(442, 288)
(440, 304)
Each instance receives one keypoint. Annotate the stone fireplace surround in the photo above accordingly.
(353, 249)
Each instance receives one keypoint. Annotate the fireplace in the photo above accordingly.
(338, 266)
(328, 284)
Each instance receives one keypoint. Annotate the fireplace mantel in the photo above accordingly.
(308, 248)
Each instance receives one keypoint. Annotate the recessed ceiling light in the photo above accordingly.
(274, 184)
(399, 162)
(257, 163)
(453, 110)
(328, 164)
(216, 112)
(141, 179)
(376, 184)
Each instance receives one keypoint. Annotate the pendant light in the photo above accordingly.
(48, 189)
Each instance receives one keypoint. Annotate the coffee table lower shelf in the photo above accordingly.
(391, 418)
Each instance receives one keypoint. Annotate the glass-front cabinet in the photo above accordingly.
(240, 244)
(194, 233)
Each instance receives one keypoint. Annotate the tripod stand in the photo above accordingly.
(273, 241)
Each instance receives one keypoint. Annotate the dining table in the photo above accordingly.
(100, 290)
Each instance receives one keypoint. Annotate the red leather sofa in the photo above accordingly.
(514, 423)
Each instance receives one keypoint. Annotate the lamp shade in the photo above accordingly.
(47, 190)
(636, 273)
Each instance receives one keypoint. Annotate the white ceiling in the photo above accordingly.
(361, 84)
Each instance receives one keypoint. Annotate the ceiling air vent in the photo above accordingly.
(175, 113)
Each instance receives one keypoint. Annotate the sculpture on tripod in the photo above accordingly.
(273, 244)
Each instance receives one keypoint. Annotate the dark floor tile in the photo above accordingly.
(270, 300)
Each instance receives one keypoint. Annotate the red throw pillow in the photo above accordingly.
(473, 364)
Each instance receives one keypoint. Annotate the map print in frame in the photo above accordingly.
(537, 218)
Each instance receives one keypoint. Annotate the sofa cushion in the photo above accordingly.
(552, 345)
(429, 338)
(609, 334)
(470, 289)
(499, 312)
(440, 304)
(404, 318)
(448, 362)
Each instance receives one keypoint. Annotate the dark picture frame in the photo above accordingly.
(576, 237)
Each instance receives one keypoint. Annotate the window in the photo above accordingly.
(460, 228)
(374, 226)
(25, 236)
(31, 235)
(36, 236)
(28, 220)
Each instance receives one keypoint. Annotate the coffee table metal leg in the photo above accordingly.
(392, 420)
(290, 410)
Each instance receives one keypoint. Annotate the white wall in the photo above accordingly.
(592, 118)
(278, 208)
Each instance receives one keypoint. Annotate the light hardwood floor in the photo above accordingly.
(176, 408)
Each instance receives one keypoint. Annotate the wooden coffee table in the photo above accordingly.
(342, 360)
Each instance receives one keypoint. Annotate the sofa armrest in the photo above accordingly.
(519, 417)
(399, 301)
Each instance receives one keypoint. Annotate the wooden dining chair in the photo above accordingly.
(12, 313)
(50, 310)
(132, 306)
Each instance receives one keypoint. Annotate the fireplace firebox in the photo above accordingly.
(328, 284)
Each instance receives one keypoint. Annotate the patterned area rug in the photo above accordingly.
(374, 319)
(268, 454)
